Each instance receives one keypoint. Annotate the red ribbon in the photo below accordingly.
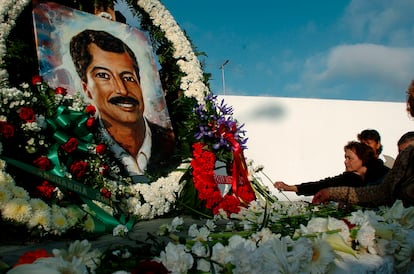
(239, 169)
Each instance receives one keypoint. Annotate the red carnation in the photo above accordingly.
(106, 193)
(100, 149)
(27, 114)
(46, 189)
(71, 145)
(43, 163)
(31, 256)
(61, 90)
(6, 129)
(78, 169)
(230, 204)
(90, 109)
(90, 122)
(37, 80)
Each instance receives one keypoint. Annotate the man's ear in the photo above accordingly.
(86, 90)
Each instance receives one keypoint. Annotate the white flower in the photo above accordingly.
(81, 250)
(176, 258)
(120, 230)
(51, 265)
(17, 209)
(322, 257)
(366, 235)
(198, 234)
(201, 252)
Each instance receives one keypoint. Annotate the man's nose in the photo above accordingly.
(120, 87)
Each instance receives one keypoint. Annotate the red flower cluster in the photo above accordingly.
(6, 130)
(61, 90)
(71, 145)
(78, 169)
(43, 163)
(203, 177)
(31, 256)
(27, 114)
(46, 189)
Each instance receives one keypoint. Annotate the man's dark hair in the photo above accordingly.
(406, 137)
(81, 57)
(370, 134)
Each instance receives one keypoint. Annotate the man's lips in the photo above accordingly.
(126, 102)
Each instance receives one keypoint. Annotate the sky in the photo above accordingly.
(341, 49)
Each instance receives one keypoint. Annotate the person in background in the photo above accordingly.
(398, 184)
(372, 138)
(405, 140)
(361, 168)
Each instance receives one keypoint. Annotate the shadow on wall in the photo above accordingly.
(268, 111)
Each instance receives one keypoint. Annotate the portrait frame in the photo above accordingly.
(56, 24)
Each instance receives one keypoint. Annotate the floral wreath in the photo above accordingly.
(70, 152)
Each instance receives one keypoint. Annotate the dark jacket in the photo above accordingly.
(376, 171)
(397, 184)
(162, 149)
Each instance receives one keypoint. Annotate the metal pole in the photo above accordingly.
(222, 75)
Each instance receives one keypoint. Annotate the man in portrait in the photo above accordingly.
(110, 78)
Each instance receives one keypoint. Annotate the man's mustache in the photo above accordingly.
(123, 100)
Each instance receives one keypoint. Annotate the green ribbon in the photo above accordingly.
(103, 220)
(66, 123)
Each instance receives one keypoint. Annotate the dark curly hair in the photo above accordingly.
(79, 49)
(363, 151)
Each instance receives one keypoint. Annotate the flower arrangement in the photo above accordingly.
(54, 135)
(247, 234)
(259, 239)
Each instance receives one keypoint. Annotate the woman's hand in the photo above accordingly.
(282, 186)
(321, 197)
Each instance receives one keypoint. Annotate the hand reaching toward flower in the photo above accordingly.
(321, 197)
(282, 186)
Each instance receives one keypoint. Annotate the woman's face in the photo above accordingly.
(352, 162)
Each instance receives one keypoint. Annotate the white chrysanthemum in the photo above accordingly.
(73, 215)
(18, 210)
(6, 180)
(322, 257)
(5, 195)
(40, 218)
(58, 221)
(19, 192)
(176, 258)
(89, 224)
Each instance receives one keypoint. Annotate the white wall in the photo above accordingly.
(300, 140)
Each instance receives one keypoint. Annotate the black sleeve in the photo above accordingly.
(344, 179)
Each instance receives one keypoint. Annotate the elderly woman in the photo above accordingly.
(362, 168)
(398, 184)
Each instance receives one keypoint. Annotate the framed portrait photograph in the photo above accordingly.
(112, 66)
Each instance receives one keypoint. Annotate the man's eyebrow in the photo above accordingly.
(99, 67)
